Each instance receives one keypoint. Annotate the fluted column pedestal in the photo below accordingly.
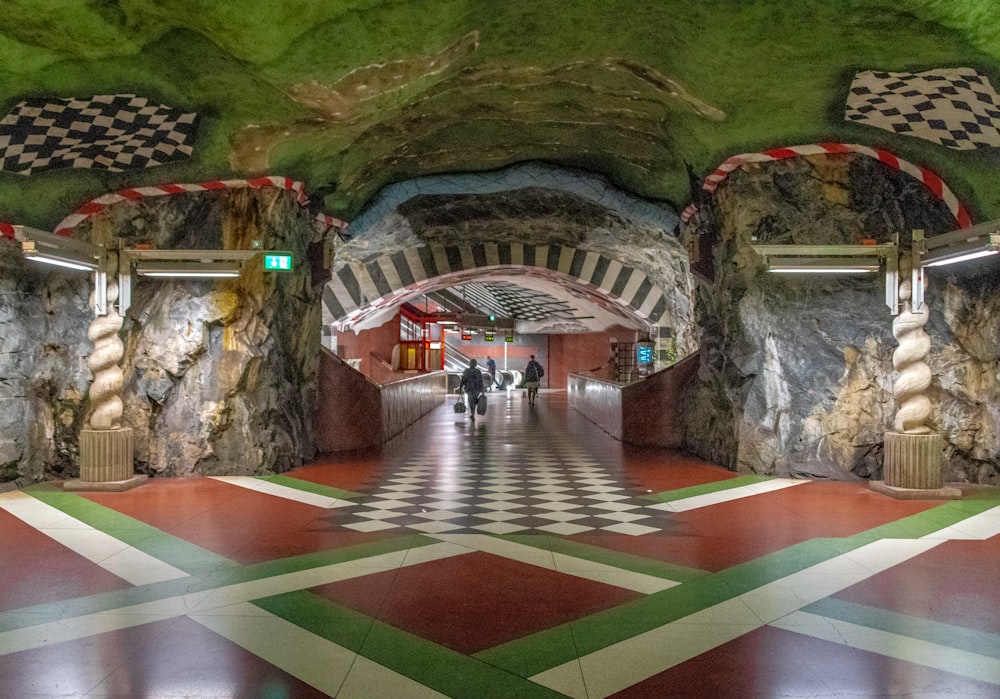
(106, 461)
(912, 468)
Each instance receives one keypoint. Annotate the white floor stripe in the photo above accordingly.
(310, 658)
(940, 657)
(209, 602)
(699, 501)
(114, 555)
(621, 665)
(985, 525)
(570, 565)
(283, 491)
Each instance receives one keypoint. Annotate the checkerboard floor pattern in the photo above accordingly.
(546, 482)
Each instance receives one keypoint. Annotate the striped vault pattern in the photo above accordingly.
(361, 288)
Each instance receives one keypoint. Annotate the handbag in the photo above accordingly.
(481, 404)
(459, 406)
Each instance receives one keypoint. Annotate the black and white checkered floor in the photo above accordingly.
(544, 481)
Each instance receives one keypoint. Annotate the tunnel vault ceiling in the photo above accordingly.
(353, 95)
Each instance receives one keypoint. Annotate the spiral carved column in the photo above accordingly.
(913, 453)
(106, 448)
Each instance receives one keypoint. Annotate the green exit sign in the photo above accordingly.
(277, 262)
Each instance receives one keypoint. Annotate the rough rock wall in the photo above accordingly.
(43, 377)
(220, 375)
(796, 372)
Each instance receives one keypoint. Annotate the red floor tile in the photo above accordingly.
(957, 582)
(234, 522)
(658, 471)
(35, 569)
(174, 658)
(717, 537)
(775, 663)
(476, 600)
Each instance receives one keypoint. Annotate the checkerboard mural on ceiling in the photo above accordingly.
(108, 132)
(953, 107)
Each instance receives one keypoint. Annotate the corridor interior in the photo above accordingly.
(527, 554)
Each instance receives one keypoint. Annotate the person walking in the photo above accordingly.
(533, 374)
(472, 384)
(491, 366)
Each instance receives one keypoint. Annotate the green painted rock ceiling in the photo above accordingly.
(349, 96)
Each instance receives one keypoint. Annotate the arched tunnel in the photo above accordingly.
(250, 250)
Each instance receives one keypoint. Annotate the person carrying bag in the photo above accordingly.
(472, 384)
(533, 374)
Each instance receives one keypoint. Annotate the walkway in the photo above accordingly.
(528, 555)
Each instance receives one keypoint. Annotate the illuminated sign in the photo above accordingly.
(466, 336)
(645, 354)
(488, 337)
(509, 338)
(277, 262)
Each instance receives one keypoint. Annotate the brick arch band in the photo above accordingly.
(358, 290)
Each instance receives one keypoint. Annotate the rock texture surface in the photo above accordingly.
(796, 376)
(43, 372)
(219, 375)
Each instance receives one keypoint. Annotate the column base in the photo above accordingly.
(894, 491)
(106, 486)
(913, 460)
(106, 461)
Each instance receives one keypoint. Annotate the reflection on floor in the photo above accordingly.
(525, 555)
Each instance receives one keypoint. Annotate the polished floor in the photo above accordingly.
(525, 555)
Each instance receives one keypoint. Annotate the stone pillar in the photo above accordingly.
(105, 446)
(912, 457)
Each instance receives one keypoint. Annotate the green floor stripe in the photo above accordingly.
(317, 559)
(960, 637)
(442, 669)
(310, 487)
(609, 557)
(165, 547)
(537, 652)
(705, 488)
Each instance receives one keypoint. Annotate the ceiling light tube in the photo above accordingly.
(180, 270)
(822, 265)
(60, 258)
(961, 250)
(823, 270)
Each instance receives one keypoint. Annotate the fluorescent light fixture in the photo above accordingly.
(62, 251)
(187, 264)
(962, 258)
(961, 245)
(60, 259)
(191, 269)
(819, 265)
(825, 259)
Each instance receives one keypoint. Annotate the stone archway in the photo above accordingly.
(569, 228)
(361, 288)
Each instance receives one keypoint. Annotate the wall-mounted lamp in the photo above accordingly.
(962, 245)
(58, 250)
(65, 252)
(214, 270)
(177, 264)
(836, 259)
